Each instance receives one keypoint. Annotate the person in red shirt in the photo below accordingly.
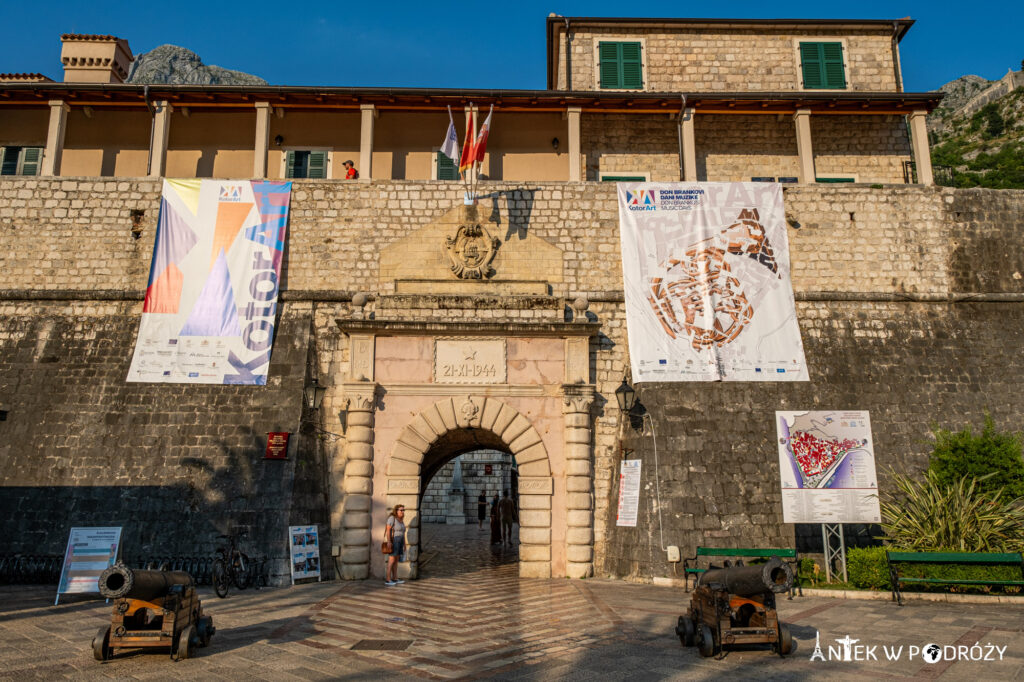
(350, 170)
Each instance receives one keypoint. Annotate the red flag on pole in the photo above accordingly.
(468, 146)
(481, 140)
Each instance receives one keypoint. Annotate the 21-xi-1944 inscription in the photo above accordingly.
(469, 361)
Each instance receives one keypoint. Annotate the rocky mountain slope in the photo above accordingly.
(982, 148)
(170, 64)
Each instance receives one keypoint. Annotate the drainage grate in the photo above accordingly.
(382, 644)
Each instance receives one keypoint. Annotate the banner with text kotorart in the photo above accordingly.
(211, 301)
(827, 465)
(706, 273)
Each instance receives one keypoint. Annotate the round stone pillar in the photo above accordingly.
(357, 483)
(579, 481)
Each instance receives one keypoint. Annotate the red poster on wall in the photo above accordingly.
(277, 446)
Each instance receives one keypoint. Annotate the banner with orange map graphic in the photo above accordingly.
(211, 300)
(705, 268)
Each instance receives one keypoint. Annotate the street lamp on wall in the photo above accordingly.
(313, 394)
(626, 397)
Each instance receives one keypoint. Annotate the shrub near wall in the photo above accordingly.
(868, 570)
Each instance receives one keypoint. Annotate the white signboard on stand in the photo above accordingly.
(304, 550)
(90, 551)
(629, 492)
(827, 466)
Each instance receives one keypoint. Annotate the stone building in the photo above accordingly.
(908, 298)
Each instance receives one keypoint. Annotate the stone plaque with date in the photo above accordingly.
(469, 361)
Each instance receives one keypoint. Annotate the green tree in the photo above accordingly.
(993, 454)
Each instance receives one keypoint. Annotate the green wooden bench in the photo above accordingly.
(953, 558)
(690, 567)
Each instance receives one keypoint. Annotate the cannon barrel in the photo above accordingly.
(745, 581)
(120, 581)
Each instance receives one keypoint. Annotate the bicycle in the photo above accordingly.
(231, 566)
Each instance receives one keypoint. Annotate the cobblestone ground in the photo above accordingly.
(471, 617)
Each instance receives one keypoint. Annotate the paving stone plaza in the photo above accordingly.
(470, 617)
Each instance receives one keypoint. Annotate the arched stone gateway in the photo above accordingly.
(448, 418)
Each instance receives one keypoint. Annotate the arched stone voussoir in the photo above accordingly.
(422, 427)
(414, 440)
(528, 439)
(407, 453)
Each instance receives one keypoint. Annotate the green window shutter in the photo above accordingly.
(9, 160)
(810, 65)
(632, 67)
(317, 165)
(620, 66)
(608, 56)
(623, 178)
(289, 171)
(822, 66)
(833, 180)
(446, 168)
(30, 158)
(832, 59)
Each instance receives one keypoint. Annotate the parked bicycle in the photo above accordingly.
(231, 566)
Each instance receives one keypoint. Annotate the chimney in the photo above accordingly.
(94, 59)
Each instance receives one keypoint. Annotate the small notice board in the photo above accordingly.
(90, 552)
(304, 549)
(629, 492)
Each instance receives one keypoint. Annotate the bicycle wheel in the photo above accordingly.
(242, 571)
(221, 579)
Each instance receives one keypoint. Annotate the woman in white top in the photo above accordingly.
(395, 532)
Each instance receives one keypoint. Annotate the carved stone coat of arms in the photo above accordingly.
(471, 251)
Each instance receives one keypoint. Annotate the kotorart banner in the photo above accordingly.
(706, 273)
(211, 301)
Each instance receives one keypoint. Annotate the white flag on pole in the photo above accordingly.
(450, 148)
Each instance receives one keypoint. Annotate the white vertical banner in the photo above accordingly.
(629, 492)
(705, 268)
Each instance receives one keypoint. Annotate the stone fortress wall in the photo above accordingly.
(909, 302)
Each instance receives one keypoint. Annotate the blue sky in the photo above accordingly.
(420, 44)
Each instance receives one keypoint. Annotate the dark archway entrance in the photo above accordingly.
(453, 539)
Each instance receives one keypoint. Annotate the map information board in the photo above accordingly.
(827, 466)
(705, 267)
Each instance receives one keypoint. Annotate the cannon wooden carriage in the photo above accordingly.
(736, 605)
(152, 610)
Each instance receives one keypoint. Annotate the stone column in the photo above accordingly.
(579, 481)
(919, 144)
(357, 485)
(55, 137)
(575, 157)
(259, 161)
(161, 134)
(802, 119)
(369, 113)
(689, 146)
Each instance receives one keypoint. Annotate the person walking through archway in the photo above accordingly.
(507, 512)
(481, 508)
(495, 520)
(395, 532)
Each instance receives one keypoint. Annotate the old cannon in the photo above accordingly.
(736, 605)
(152, 609)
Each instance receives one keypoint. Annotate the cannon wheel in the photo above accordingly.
(205, 624)
(185, 642)
(101, 644)
(785, 646)
(221, 580)
(685, 630)
(706, 645)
